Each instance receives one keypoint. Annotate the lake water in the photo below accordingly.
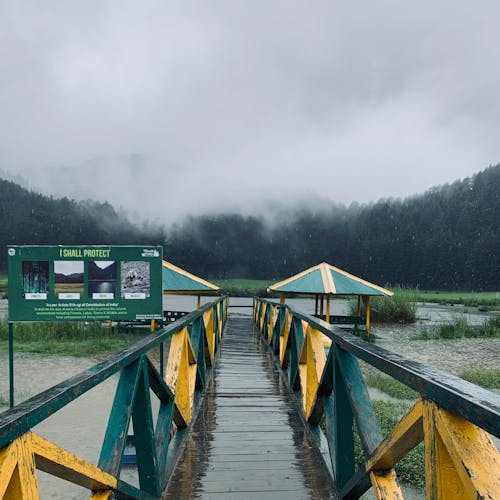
(80, 426)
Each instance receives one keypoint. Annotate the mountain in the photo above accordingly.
(68, 278)
(95, 273)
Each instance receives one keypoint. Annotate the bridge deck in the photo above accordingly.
(248, 440)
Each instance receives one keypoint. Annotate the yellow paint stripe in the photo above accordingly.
(278, 285)
(101, 495)
(178, 270)
(57, 461)
(385, 485)
(475, 457)
(8, 462)
(26, 470)
(326, 275)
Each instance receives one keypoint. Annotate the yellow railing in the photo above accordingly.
(453, 418)
(23, 452)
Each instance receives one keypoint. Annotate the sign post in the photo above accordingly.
(82, 283)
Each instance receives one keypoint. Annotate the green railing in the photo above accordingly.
(192, 346)
(453, 417)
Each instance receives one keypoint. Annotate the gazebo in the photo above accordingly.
(177, 281)
(323, 281)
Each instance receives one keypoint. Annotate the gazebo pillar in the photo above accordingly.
(282, 298)
(198, 302)
(328, 308)
(316, 304)
(366, 300)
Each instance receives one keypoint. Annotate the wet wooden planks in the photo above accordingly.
(248, 441)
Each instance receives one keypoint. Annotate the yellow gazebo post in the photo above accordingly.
(366, 300)
(282, 298)
(328, 308)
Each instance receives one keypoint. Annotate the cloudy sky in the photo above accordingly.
(227, 103)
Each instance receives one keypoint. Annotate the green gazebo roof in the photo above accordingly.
(328, 280)
(177, 280)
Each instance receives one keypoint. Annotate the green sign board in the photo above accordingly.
(85, 283)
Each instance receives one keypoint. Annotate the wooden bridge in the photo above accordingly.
(269, 410)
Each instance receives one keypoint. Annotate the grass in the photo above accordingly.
(487, 378)
(244, 287)
(65, 338)
(483, 300)
(3, 286)
(400, 308)
(459, 327)
(390, 386)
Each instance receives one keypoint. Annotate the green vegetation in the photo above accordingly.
(483, 300)
(459, 327)
(65, 338)
(408, 241)
(411, 468)
(244, 287)
(488, 378)
(3, 286)
(400, 308)
(390, 386)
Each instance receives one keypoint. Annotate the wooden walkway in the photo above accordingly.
(248, 441)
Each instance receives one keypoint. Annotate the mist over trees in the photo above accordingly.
(29, 218)
(446, 238)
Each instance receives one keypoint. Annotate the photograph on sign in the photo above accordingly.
(101, 279)
(68, 279)
(135, 279)
(35, 276)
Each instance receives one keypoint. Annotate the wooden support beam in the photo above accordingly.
(474, 456)
(65, 465)
(403, 438)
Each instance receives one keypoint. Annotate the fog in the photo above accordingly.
(184, 107)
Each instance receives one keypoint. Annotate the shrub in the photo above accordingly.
(400, 308)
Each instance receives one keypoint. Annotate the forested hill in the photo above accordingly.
(29, 218)
(446, 238)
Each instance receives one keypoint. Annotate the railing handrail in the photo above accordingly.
(17, 421)
(474, 403)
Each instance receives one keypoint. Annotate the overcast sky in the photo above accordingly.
(236, 101)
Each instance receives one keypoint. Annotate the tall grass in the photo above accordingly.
(390, 386)
(244, 287)
(3, 286)
(459, 327)
(400, 308)
(487, 378)
(65, 338)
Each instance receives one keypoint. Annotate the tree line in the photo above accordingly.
(445, 238)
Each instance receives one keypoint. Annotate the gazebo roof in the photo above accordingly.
(177, 280)
(327, 279)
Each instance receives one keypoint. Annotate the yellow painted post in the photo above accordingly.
(198, 303)
(367, 306)
(110, 326)
(153, 325)
(282, 298)
(328, 308)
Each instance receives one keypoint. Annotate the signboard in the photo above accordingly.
(85, 283)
